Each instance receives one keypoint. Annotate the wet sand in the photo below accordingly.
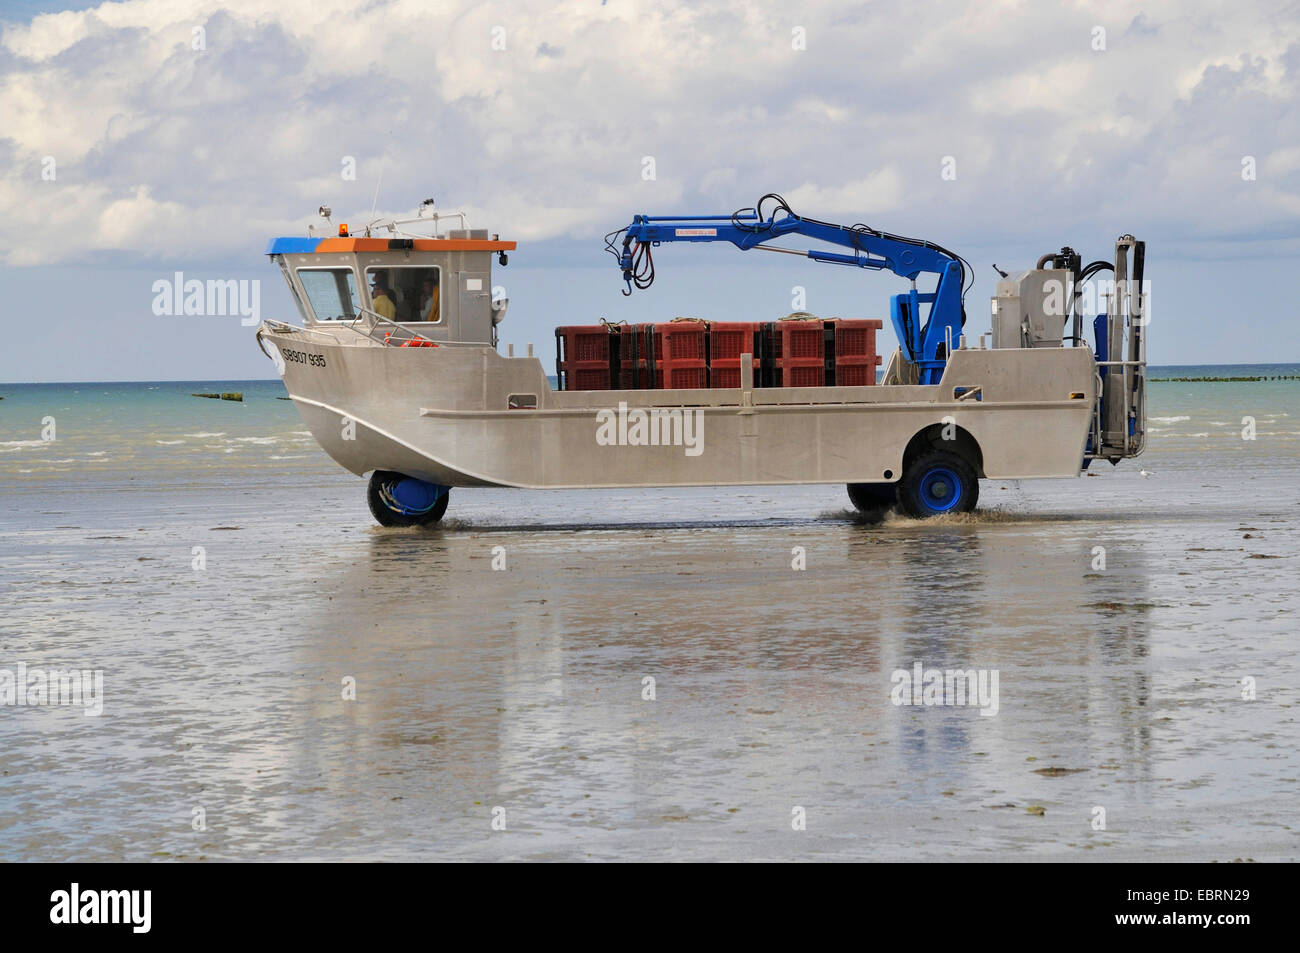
(522, 688)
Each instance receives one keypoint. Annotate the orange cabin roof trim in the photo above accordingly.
(418, 244)
(301, 246)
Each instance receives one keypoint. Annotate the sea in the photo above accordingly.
(677, 674)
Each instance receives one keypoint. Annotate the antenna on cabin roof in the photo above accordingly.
(383, 158)
(375, 201)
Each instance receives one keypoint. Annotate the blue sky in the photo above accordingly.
(1066, 123)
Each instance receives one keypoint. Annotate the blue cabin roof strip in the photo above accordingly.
(292, 246)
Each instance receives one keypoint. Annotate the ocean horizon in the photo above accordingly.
(1152, 370)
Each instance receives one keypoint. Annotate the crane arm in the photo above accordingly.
(924, 343)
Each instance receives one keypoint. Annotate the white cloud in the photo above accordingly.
(878, 192)
(163, 150)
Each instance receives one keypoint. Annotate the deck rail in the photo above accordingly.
(373, 328)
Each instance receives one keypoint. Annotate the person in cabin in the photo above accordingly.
(429, 301)
(382, 297)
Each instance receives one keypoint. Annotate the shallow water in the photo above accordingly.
(523, 689)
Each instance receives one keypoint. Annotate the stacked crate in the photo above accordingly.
(652, 345)
(582, 357)
(727, 342)
(856, 359)
(694, 354)
(678, 354)
(799, 353)
(632, 373)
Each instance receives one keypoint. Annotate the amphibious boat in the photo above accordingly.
(395, 369)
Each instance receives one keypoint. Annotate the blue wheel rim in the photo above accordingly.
(941, 490)
(411, 497)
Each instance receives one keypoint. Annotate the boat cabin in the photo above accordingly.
(438, 288)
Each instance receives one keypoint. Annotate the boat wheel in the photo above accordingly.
(398, 500)
(872, 499)
(938, 481)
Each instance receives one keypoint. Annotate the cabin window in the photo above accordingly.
(331, 292)
(414, 294)
(293, 290)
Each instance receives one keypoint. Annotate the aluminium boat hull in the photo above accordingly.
(464, 415)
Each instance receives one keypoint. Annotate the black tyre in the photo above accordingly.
(873, 498)
(937, 482)
(379, 495)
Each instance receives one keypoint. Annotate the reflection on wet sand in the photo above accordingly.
(527, 688)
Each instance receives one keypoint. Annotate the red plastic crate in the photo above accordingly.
(727, 342)
(800, 353)
(795, 372)
(651, 343)
(855, 372)
(800, 339)
(632, 374)
(683, 340)
(724, 376)
(582, 357)
(694, 376)
(588, 378)
(680, 355)
(855, 338)
(856, 359)
(585, 342)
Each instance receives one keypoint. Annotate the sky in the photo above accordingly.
(149, 137)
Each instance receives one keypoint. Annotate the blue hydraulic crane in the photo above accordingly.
(924, 343)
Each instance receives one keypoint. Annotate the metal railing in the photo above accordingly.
(368, 325)
(393, 225)
(1131, 443)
